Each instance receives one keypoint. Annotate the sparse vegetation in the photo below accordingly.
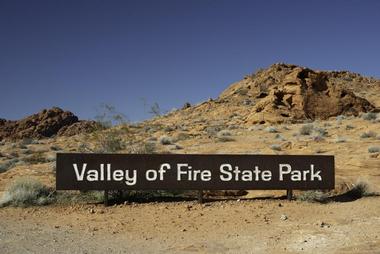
(306, 129)
(275, 147)
(109, 141)
(155, 110)
(165, 140)
(340, 140)
(368, 134)
(107, 116)
(321, 131)
(35, 158)
(339, 119)
(26, 192)
(369, 116)
(142, 148)
(8, 165)
(65, 197)
(279, 137)
(313, 196)
(271, 129)
(224, 136)
(374, 149)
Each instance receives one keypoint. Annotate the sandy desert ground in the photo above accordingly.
(244, 120)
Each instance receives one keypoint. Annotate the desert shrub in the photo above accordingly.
(369, 116)
(368, 134)
(340, 140)
(55, 148)
(313, 196)
(225, 139)
(168, 128)
(321, 131)
(51, 157)
(224, 133)
(26, 141)
(349, 127)
(65, 197)
(374, 149)
(319, 150)
(182, 136)
(142, 148)
(155, 110)
(224, 136)
(318, 138)
(212, 130)
(279, 137)
(8, 165)
(35, 158)
(339, 119)
(275, 147)
(107, 116)
(109, 141)
(26, 151)
(165, 140)
(306, 129)
(271, 129)
(26, 192)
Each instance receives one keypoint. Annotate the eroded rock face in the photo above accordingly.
(78, 127)
(47, 123)
(282, 93)
(291, 92)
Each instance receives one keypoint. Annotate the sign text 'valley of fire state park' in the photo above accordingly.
(76, 171)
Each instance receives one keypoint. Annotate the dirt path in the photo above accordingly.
(254, 226)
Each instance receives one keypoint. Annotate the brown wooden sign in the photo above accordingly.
(78, 171)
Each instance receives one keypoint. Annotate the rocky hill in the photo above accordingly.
(283, 93)
(47, 123)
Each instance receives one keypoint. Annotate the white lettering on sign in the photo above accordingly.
(298, 175)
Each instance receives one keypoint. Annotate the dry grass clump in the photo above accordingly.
(8, 164)
(340, 140)
(369, 116)
(275, 147)
(374, 149)
(224, 136)
(306, 129)
(109, 141)
(165, 140)
(368, 134)
(271, 129)
(313, 196)
(35, 158)
(26, 192)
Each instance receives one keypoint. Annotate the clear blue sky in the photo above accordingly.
(79, 54)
